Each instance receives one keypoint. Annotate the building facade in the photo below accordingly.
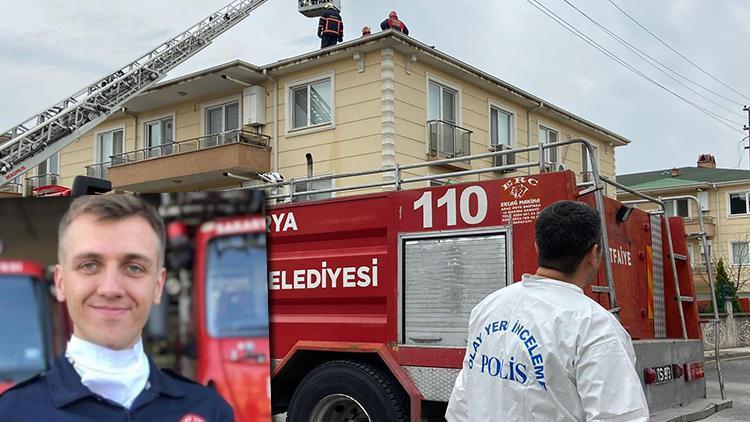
(724, 195)
(369, 103)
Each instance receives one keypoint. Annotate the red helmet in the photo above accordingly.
(393, 15)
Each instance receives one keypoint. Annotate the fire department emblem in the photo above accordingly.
(518, 191)
(192, 417)
(519, 186)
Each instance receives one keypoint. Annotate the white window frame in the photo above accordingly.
(539, 125)
(459, 105)
(289, 130)
(159, 118)
(107, 130)
(459, 100)
(513, 124)
(47, 162)
(674, 208)
(215, 103)
(731, 253)
(747, 204)
(589, 168)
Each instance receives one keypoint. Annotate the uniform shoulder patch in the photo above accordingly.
(178, 377)
(24, 383)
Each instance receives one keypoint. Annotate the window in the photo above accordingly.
(311, 104)
(219, 120)
(446, 138)
(313, 186)
(501, 127)
(159, 133)
(677, 208)
(586, 168)
(109, 144)
(738, 203)
(740, 253)
(548, 136)
(442, 103)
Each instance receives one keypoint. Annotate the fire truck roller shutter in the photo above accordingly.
(444, 278)
(344, 390)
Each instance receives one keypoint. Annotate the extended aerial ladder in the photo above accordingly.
(36, 139)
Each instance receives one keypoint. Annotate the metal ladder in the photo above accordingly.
(36, 139)
(393, 178)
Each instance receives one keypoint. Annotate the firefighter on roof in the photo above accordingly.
(394, 23)
(330, 27)
(541, 349)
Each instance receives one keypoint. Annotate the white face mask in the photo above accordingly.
(117, 375)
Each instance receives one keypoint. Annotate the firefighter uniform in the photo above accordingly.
(394, 23)
(542, 350)
(330, 28)
(58, 395)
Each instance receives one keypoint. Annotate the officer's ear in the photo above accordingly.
(161, 278)
(59, 289)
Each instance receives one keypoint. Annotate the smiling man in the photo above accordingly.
(110, 272)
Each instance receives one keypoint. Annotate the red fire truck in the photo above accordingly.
(35, 326)
(218, 299)
(370, 294)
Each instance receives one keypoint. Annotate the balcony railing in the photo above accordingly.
(99, 170)
(448, 140)
(43, 180)
(11, 188)
(238, 136)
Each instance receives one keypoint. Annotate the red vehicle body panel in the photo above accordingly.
(354, 231)
(244, 383)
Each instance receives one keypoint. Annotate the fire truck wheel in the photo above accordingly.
(348, 391)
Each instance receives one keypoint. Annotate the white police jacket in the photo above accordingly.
(541, 350)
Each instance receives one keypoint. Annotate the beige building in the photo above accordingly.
(724, 195)
(368, 103)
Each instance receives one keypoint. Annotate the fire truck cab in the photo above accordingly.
(218, 299)
(370, 294)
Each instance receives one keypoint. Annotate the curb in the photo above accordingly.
(726, 355)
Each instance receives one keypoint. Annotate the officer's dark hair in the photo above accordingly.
(112, 208)
(565, 232)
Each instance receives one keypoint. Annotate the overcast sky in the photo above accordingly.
(50, 49)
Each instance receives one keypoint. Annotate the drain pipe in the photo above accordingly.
(275, 120)
(528, 130)
(134, 116)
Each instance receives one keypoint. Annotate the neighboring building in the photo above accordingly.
(368, 103)
(724, 195)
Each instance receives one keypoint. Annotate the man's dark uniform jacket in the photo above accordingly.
(58, 395)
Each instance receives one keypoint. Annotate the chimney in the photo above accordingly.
(675, 172)
(706, 161)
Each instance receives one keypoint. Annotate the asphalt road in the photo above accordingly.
(736, 373)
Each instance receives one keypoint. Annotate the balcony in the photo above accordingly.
(693, 226)
(10, 190)
(42, 184)
(193, 164)
(447, 140)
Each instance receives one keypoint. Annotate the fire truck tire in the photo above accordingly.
(346, 390)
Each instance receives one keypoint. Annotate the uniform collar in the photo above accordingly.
(65, 384)
(531, 278)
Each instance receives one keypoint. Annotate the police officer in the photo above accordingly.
(330, 27)
(393, 22)
(110, 272)
(542, 350)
